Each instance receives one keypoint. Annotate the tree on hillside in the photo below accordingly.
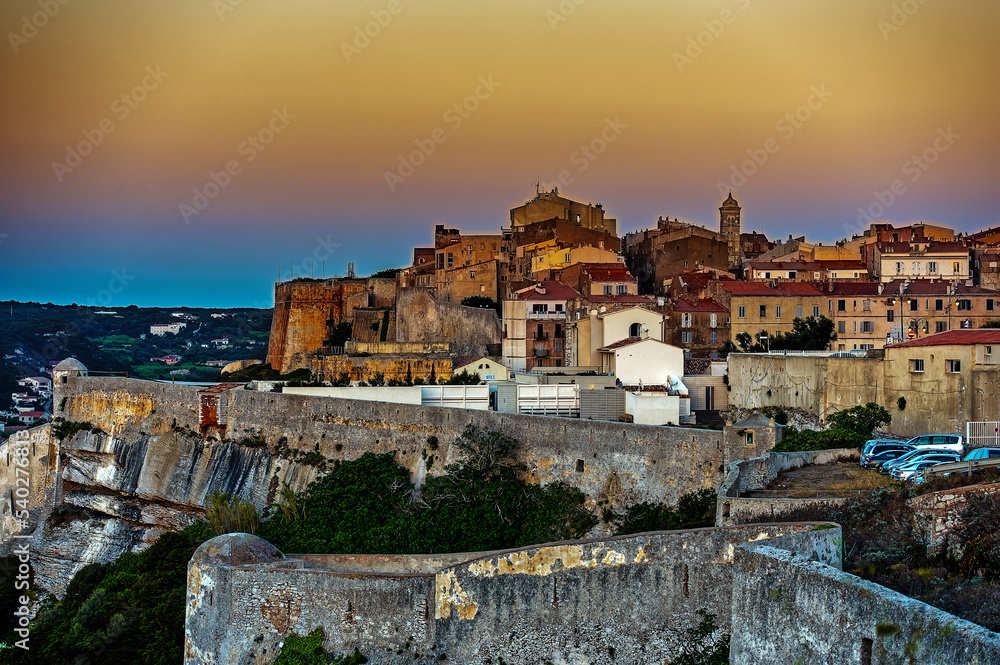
(813, 333)
(861, 419)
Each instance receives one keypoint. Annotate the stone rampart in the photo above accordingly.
(936, 516)
(796, 610)
(756, 473)
(620, 600)
(620, 462)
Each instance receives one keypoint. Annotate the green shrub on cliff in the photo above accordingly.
(370, 506)
(308, 650)
(694, 510)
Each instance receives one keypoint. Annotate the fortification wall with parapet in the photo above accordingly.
(757, 473)
(621, 600)
(790, 608)
(620, 462)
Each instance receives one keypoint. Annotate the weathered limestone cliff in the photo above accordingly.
(97, 495)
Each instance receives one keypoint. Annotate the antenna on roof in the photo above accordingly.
(538, 183)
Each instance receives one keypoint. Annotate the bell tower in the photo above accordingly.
(729, 227)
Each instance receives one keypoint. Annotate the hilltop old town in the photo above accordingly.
(689, 444)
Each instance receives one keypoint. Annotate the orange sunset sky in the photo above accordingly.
(116, 114)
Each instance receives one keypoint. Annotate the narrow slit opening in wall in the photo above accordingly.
(866, 651)
(579, 466)
(555, 593)
(687, 590)
(725, 510)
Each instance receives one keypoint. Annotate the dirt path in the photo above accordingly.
(837, 479)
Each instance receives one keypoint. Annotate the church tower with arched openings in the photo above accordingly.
(729, 227)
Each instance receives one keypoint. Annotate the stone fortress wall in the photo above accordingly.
(757, 473)
(621, 462)
(777, 588)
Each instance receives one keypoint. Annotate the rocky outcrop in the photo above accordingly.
(108, 494)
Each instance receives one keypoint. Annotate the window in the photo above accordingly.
(841, 305)
(622, 289)
(989, 350)
(741, 312)
(482, 246)
(989, 304)
(763, 311)
(539, 308)
(917, 365)
(932, 267)
(890, 315)
(559, 331)
(748, 438)
(939, 304)
(713, 320)
(956, 267)
(767, 275)
(792, 274)
(777, 311)
(685, 320)
(816, 311)
(472, 274)
(558, 348)
(635, 330)
(954, 366)
(685, 338)
(713, 336)
(798, 311)
(451, 260)
(899, 267)
(607, 289)
(685, 264)
(866, 305)
(559, 307)
(841, 327)
(940, 326)
(867, 327)
(913, 304)
(964, 305)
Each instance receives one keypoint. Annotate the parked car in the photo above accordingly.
(877, 447)
(908, 470)
(982, 453)
(940, 441)
(880, 456)
(870, 443)
(911, 456)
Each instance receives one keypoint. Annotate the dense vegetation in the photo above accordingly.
(694, 510)
(850, 428)
(33, 334)
(370, 506)
(881, 545)
(129, 611)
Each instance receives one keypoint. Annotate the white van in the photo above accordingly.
(939, 441)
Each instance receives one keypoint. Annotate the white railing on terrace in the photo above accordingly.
(546, 315)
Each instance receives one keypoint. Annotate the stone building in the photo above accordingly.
(729, 229)
(546, 206)
(699, 326)
(534, 326)
(769, 307)
(888, 261)
(658, 255)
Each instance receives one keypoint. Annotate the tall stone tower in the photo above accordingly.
(729, 227)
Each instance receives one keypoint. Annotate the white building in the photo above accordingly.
(648, 362)
(589, 334)
(161, 329)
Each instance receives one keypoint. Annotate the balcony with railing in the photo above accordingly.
(548, 316)
(541, 335)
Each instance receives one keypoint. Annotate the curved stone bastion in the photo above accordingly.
(778, 588)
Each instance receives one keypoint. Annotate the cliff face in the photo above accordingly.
(113, 493)
(148, 462)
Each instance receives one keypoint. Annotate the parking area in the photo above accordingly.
(827, 480)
